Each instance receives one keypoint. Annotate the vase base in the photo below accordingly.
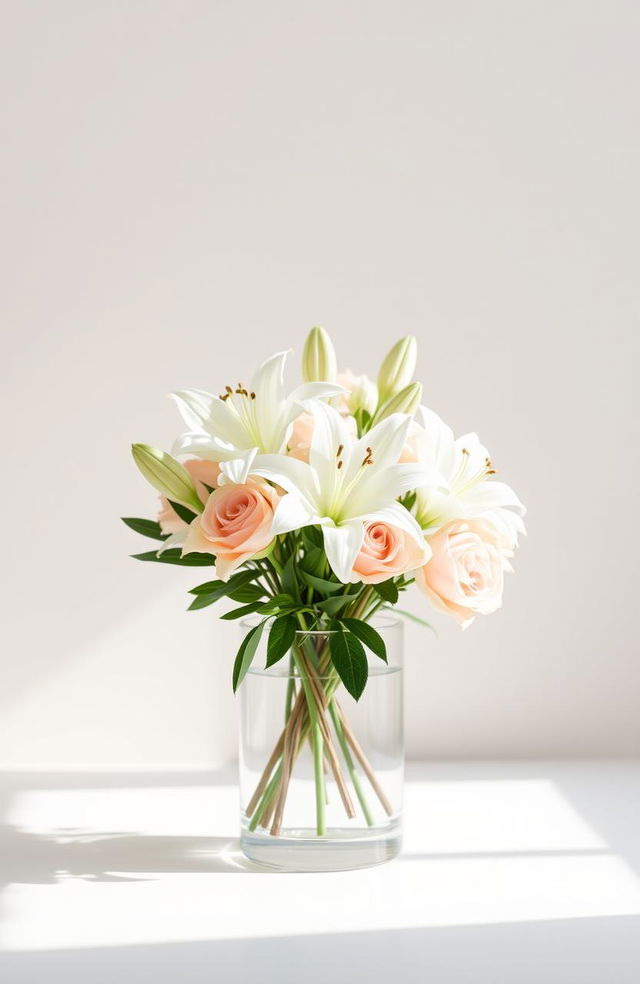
(339, 850)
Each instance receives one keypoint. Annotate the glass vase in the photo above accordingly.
(321, 775)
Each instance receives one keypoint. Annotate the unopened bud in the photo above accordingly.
(397, 368)
(319, 357)
(166, 475)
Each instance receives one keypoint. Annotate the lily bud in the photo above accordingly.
(319, 358)
(397, 368)
(406, 401)
(166, 475)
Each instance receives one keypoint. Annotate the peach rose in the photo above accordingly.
(300, 440)
(387, 551)
(465, 575)
(235, 525)
(302, 431)
(200, 471)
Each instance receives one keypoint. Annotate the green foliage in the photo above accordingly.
(368, 635)
(320, 584)
(281, 636)
(186, 515)
(278, 604)
(289, 578)
(240, 612)
(246, 653)
(174, 556)
(331, 606)
(388, 591)
(222, 588)
(147, 527)
(247, 592)
(350, 660)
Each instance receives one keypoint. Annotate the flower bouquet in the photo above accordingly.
(318, 509)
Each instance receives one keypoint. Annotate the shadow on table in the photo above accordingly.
(571, 951)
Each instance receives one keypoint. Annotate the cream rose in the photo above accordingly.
(464, 577)
(235, 525)
(387, 551)
(201, 472)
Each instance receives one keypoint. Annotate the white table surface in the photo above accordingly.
(511, 872)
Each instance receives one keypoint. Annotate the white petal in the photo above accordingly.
(329, 434)
(292, 513)
(268, 381)
(194, 407)
(490, 495)
(202, 446)
(378, 487)
(314, 391)
(386, 441)
(342, 545)
(175, 540)
(237, 470)
(290, 473)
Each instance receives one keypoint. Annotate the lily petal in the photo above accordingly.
(237, 471)
(292, 513)
(290, 473)
(342, 545)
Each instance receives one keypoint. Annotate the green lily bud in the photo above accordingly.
(166, 475)
(406, 401)
(319, 358)
(397, 368)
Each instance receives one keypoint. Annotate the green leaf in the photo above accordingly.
(247, 592)
(222, 588)
(313, 536)
(246, 653)
(314, 561)
(350, 660)
(320, 584)
(281, 636)
(333, 605)
(201, 601)
(186, 515)
(289, 579)
(239, 612)
(388, 591)
(173, 556)
(145, 526)
(276, 604)
(416, 619)
(367, 634)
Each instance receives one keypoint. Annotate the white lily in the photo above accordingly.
(346, 483)
(258, 416)
(466, 489)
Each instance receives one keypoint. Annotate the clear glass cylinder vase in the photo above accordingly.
(321, 775)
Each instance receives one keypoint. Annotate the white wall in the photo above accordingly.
(188, 186)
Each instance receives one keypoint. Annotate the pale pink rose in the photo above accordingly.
(409, 453)
(387, 551)
(235, 525)
(200, 471)
(300, 440)
(465, 575)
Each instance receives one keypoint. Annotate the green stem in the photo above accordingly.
(317, 746)
(346, 754)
